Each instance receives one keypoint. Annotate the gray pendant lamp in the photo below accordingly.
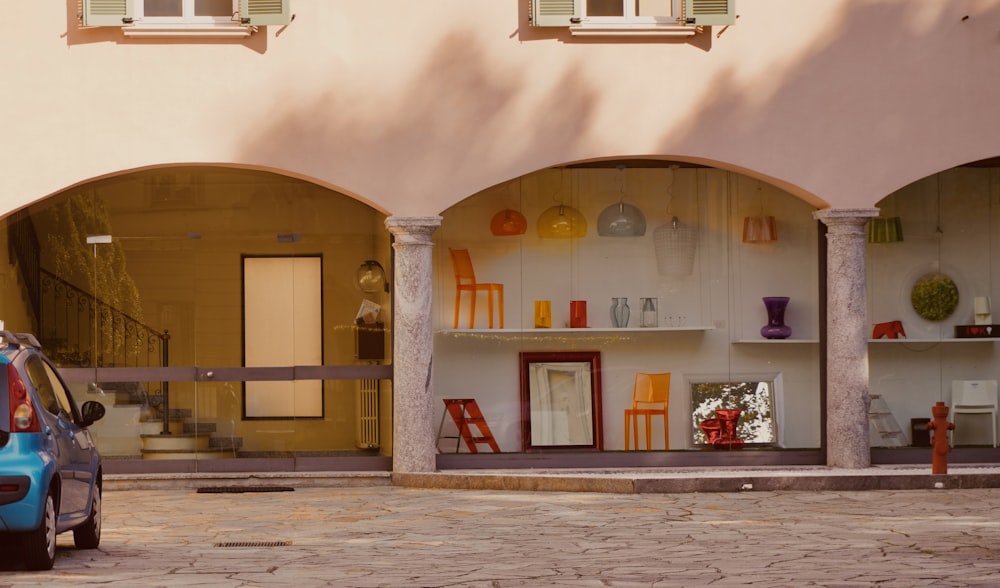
(621, 219)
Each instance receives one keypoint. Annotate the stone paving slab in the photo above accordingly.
(395, 536)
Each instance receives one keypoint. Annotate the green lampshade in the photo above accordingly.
(885, 230)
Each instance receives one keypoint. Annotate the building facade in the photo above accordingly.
(234, 221)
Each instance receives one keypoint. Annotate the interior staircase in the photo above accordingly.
(133, 427)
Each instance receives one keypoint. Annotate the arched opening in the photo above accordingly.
(218, 313)
(931, 280)
(716, 243)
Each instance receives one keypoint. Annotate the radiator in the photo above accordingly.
(367, 435)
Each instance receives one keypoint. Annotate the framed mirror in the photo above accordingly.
(755, 395)
(561, 400)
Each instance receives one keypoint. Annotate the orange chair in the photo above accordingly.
(465, 281)
(649, 398)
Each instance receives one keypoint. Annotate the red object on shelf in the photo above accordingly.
(712, 429)
(728, 438)
(578, 314)
(889, 330)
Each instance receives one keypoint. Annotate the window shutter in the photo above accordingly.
(554, 13)
(265, 12)
(107, 13)
(710, 12)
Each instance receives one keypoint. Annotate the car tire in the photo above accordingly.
(88, 535)
(39, 545)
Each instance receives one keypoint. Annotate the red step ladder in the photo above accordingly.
(465, 413)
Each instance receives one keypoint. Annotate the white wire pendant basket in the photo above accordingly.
(675, 244)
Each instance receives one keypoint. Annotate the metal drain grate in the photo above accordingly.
(230, 544)
(241, 489)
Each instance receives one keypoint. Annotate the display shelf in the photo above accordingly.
(946, 340)
(775, 341)
(567, 331)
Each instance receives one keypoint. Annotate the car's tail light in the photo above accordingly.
(22, 413)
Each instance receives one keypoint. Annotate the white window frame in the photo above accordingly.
(246, 17)
(629, 9)
(631, 24)
(187, 8)
(186, 26)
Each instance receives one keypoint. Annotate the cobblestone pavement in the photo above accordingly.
(392, 536)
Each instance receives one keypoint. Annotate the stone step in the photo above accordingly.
(229, 443)
(204, 427)
(199, 454)
(178, 442)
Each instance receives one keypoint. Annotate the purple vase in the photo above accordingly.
(776, 327)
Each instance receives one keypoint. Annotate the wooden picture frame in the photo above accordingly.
(561, 400)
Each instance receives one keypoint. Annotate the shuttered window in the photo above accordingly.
(637, 13)
(106, 13)
(264, 12)
(710, 12)
(553, 13)
(136, 13)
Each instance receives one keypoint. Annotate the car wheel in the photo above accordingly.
(40, 545)
(88, 535)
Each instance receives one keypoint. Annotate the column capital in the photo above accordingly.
(845, 216)
(413, 230)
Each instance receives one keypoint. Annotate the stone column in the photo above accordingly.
(414, 448)
(847, 396)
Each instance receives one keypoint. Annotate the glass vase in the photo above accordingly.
(622, 313)
(649, 316)
(776, 327)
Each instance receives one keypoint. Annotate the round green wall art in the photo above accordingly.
(934, 297)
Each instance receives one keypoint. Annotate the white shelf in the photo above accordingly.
(950, 340)
(775, 341)
(563, 331)
(897, 341)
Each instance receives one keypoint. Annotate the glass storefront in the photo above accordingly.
(217, 313)
(683, 296)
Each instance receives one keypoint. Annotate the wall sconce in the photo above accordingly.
(370, 277)
(621, 220)
(561, 222)
(508, 222)
(759, 229)
(885, 229)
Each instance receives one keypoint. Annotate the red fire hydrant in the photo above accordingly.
(940, 426)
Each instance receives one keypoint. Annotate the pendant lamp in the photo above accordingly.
(621, 219)
(674, 244)
(508, 222)
(885, 229)
(561, 222)
(760, 228)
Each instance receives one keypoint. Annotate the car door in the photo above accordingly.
(72, 444)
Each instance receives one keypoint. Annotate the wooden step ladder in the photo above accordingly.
(465, 413)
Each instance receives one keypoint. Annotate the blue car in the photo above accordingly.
(50, 470)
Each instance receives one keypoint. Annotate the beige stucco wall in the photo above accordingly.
(413, 106)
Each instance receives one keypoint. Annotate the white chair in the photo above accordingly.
(975, 397)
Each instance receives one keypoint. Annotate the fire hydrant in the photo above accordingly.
(940, 426)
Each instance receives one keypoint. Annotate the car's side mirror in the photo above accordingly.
(92, 411)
